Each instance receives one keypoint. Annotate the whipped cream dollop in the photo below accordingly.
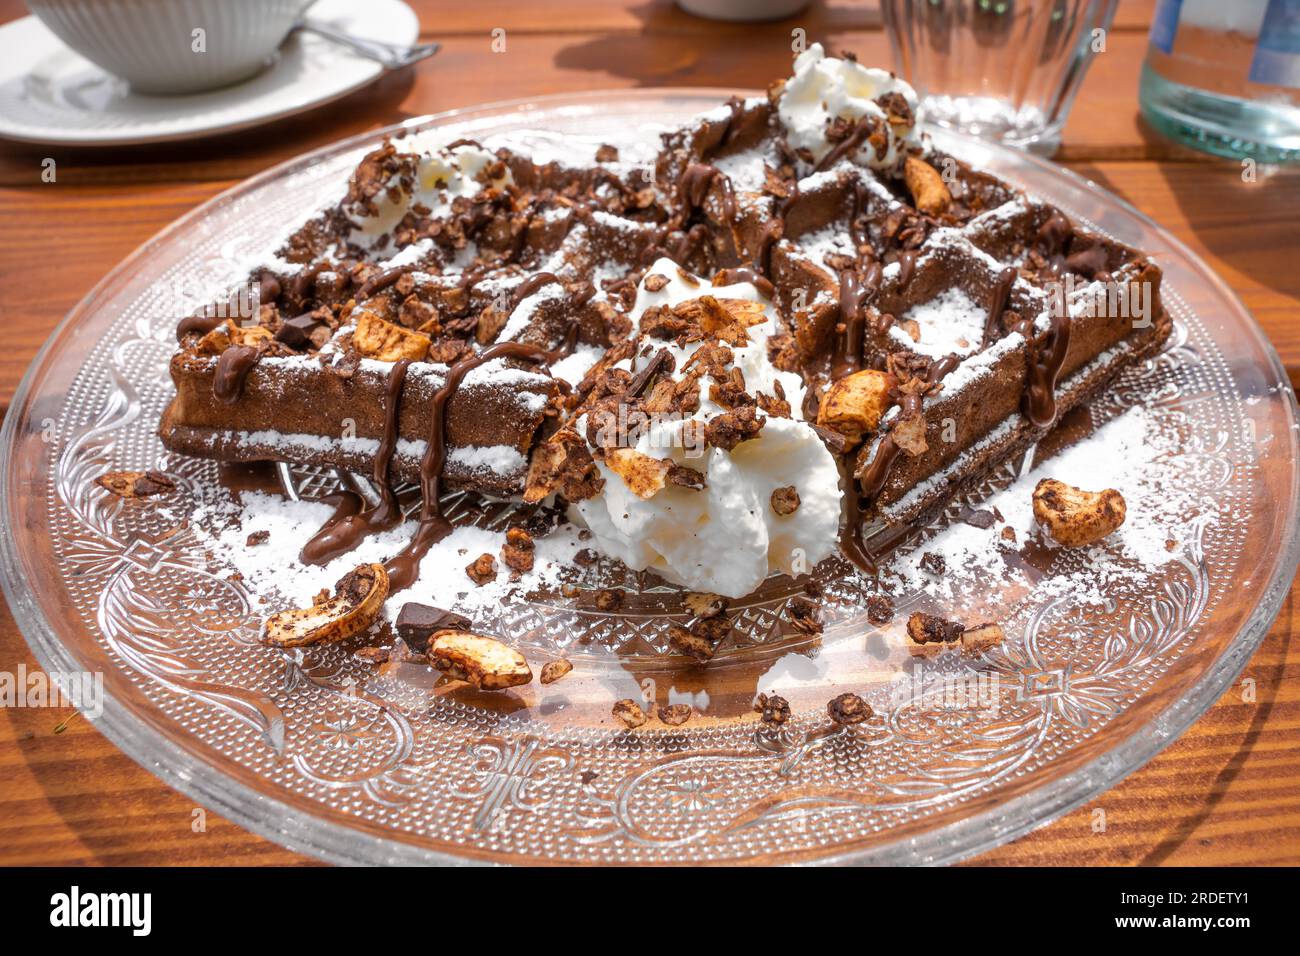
(824, 88)
(441, 174)
(726, 537)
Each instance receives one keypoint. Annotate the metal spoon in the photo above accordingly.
(390, 55)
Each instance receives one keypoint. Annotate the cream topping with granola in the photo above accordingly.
(727, 536)
(825, 89)
(436, 176)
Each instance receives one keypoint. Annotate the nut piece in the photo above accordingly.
(554, 670)
(804, 616)
(929, 192)
(785, 500)
(849, 709)
(909, 435)
(608, 599)
(724, 319)
(644, 475)
(371, 655)
(379, 339)
(1075, 517)
(358, 596)
(928, 635)
(674, 715)
(136, 484)
(928, 629)
(981, 637)
(704, 604)
(630, 713)
(231, 333)
(853, 405)
(518, 550)
(880, 609)
(773, 708)
(482, 661)
(482, 569)
(699, 638)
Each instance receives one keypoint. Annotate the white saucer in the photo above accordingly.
(49, 94)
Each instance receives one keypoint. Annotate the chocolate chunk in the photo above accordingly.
(416, 623)
(979, 518)
(296, 332)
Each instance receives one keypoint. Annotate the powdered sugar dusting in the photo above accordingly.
(498, 459)
(272, 569)
(1131, 454)
(949, 323)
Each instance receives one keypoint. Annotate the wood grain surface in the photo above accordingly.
(1227, 792)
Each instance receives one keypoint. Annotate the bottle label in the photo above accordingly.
(1164, 24)
(1277, 54)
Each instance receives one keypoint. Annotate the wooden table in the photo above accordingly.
(1227, 792)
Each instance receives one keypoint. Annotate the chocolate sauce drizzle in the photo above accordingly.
(855, 289)
(531, 285)
(906, 268)
(381, 281)
(851, 544)
(350, 522)
(997, 305)
(1043, 367)
(772, 231)
(404, 567)
(202, 324)
(233, 367)
(693, 189)
(861, 239)
(729, 132)
(735, 274)
(876, 473)
(861, 130)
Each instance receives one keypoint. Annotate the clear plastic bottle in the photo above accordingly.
(1224, 76)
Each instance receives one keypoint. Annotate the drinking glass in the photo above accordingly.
(1001, 69)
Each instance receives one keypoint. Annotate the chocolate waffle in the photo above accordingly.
(461, 307)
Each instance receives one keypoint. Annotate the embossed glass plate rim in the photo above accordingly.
(302, 830)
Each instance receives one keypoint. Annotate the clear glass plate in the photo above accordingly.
(317, 752)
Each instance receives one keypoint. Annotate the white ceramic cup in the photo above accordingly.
(173, 46)
(748, 11)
